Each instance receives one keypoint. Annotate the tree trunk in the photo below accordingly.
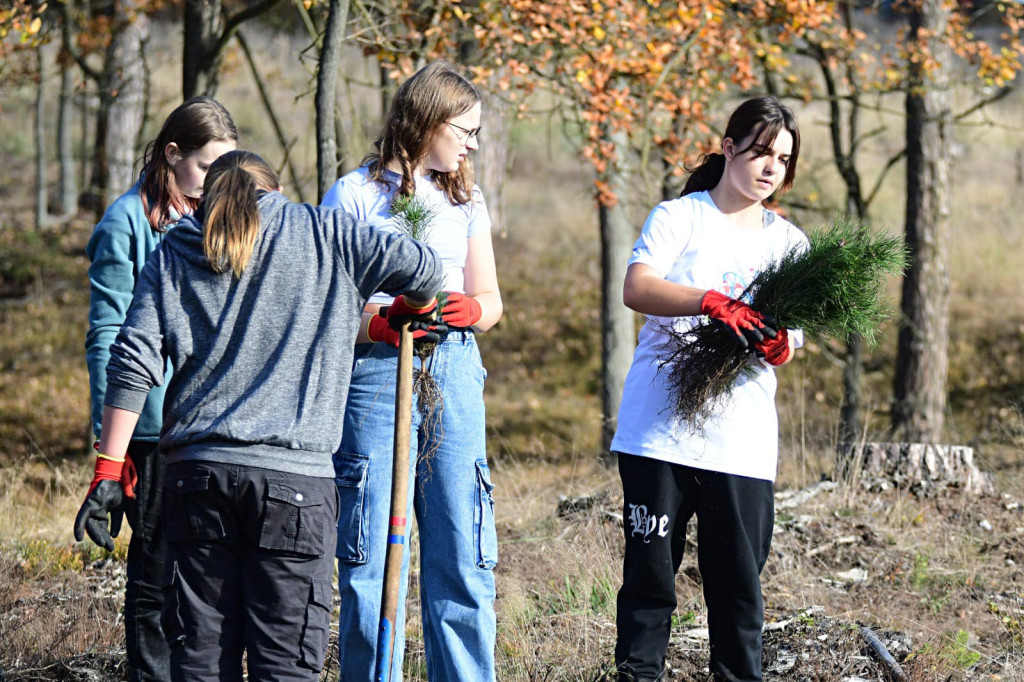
(849, 413)
(617, 332)
(40, 135)
(387, 89)
(65, 142)
(493, 158)
(272, 115)
(327, 160)
(921, 364)
(844, 148)
(200, 63)
(125, 87)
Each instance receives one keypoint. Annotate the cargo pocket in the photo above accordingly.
(316, 629)
(483, 519)
(293, 519)
(171, 621)
(188, 512)
(353, 511)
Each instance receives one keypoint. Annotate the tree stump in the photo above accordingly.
(921, 468)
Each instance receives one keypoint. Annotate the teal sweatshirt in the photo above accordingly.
(120, 245)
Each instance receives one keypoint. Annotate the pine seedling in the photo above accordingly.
(414, 217)
(831, 289)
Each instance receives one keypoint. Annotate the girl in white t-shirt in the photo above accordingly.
(423, 150)
(695, 256)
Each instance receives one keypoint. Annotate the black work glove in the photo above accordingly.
(106, 498)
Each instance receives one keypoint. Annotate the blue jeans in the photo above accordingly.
(454, 513)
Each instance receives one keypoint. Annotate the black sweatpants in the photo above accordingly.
(251, 556)
(148, 655)
(735, 517)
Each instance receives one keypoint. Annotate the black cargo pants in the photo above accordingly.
(148, 656)
(250, 561)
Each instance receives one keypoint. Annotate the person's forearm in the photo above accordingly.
(116, 433)
(491, 309)
(649, 294)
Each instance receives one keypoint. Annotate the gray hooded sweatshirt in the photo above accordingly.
(262, 362)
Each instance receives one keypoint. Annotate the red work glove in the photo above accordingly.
(105, 498)
(460, 310)
(776, 350)
(129, 477)
(379, 331)
(400, 312)
(746, 323)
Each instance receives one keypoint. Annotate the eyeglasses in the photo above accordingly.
(467, 134)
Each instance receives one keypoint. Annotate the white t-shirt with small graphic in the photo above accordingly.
(689, 241)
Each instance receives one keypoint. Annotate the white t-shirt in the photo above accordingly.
(449, 232)
(689, 241)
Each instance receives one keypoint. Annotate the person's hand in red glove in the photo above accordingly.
(105, 499)
(378, 330)
(401, 311)
(748, 325)
(460, 310)
(776, 350)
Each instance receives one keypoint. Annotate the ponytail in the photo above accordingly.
(706, 175)
(232, 217)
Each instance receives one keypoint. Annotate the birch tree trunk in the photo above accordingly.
(922, 354)
(65, 141)
(40, 135)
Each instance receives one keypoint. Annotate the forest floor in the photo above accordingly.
(938, 580)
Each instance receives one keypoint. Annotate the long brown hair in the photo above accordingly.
(764, 118)
(423, 104)
(194, 124)
(231, 222)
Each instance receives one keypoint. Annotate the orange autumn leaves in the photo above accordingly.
(655, 70)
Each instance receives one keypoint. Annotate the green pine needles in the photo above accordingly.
(832, 289)
(412, 215)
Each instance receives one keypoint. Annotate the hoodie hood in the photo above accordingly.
(186, 239)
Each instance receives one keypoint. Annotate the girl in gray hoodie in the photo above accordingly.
(256, 302)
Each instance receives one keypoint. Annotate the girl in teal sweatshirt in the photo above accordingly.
(170, 186)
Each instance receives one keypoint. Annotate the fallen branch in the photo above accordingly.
(847, 540)
(787, 500)
(895, 671)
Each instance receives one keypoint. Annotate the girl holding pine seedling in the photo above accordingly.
(419, 176)
(695, 257)
(170, 186)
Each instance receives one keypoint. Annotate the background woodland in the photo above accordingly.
(912, 120)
